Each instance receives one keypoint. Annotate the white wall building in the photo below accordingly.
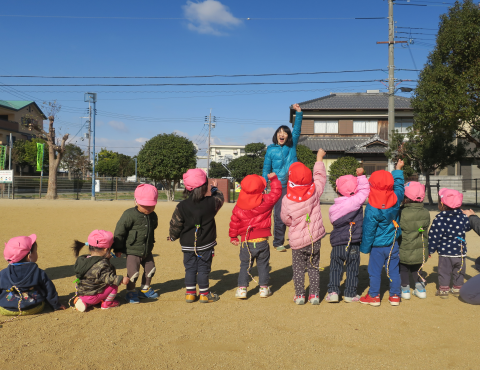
(225, 153)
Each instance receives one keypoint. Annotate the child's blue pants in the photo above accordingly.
(378, 259)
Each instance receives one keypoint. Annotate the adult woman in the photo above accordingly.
(280, 155)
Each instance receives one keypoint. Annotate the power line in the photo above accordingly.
(420, 28)
(172, 18)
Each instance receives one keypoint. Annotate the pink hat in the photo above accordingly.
(100, 239)
(194, 178)
(146, 195)
(451, 198)
(415, 191)
(17, 248)
(347, 185)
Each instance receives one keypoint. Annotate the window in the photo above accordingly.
(402, 125)
(326, 127)
(368, 126)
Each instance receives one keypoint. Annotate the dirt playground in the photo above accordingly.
(230, 334)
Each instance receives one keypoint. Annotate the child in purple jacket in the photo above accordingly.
(346, 216)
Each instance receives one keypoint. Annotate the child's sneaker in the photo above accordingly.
(299, 299)
(394, 300)
(372, 301)
(132, 297)
(351, 299)
(314, 299)
(281, 248)
(79, 305)
(109, 304)
(405, 292)
(209, 298)
(455, 291)
(265, 292)
(241, 293)
(190, 298)
(420, 291)
(442, 293)
(332, 297)
(150, 293)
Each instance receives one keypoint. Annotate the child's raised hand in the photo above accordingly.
(234, 242)
(320, 154)
(271, 175)
(125, 280)
(468, 212)
(360, 171)
(297, 107)
(213, 184)
(118, 254)
(400, 164)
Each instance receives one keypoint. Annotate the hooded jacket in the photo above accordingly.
(33, 283)
(447, 234)
(95, 274)
(294, 214)
(279, 158)
(413, 216)
(258, 220)
(378, 227)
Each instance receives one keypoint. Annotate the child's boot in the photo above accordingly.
(147, 293)
(455, 291)
(394, 300)
(352, 299)
(406, 292)
(209, 298)
(132, 297)
(420, 291)
(442, 293)
(190, 296)
(299, 299)
(241, 292)
(314, 299)
(372, 301)
(79, 305)
(109, 304)
(332, 297)
(265, 292)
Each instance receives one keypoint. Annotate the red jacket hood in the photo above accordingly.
(381, 190)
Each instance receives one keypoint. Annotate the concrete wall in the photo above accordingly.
(451, 182)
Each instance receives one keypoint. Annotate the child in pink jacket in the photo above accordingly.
(301, 213)
(346, 216)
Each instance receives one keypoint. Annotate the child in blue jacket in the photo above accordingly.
(381, 231)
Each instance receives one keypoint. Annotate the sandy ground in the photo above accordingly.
(232, 334)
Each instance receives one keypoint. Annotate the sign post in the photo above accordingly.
(6, 177)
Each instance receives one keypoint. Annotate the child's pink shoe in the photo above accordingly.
(109, 304)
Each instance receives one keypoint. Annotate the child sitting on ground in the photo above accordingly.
(302, 214)
(193, 221)
(346, 216)
(381, 232)
(447, 237)
(414, 222)
(97, 279)
(135, 236)
(252, 220)
(24, 287)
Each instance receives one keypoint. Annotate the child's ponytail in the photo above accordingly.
(77, 247)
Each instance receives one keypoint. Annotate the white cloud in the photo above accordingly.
(141, 140)
(209, 17)
(118, 125)
(260, 135)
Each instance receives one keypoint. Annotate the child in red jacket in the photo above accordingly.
(252, 220)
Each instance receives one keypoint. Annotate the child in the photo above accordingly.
(381, 231)
(97, 278)
(414, 222)
(135, 236)
(193, 221)
(252, 220)
(346, 216)
(301, 212)
(470, 291)
(24, 287)
(447, 237)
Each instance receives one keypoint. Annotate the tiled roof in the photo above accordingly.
(346, 145)
(355, 101)
(15, 104)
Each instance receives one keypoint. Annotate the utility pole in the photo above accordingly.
(89, 130)
(92, 98)
(211, 124)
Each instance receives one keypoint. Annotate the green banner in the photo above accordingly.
(40, 148)
(3, 156)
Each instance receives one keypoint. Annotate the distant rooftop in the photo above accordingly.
(19, 104)
(373, 144)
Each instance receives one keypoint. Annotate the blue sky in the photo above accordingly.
(200, 38)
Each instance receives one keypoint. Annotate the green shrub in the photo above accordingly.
(342, 166)
(306, 156)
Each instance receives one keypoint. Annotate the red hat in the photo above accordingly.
(17, 248)
(451, 198)
(300, 183)
(381, 190)
(415, 191)
(194, 178)
(347, 185)
(100, 239)
(251, 193)
(146, 195)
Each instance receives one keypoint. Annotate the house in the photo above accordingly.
(226, 153)
(354, 124)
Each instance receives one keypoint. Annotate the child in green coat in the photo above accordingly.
(414, 222)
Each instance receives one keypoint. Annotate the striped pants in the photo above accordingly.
(337, 258)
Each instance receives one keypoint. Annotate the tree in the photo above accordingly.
(425, 152)
(447, 97)
(126, 165)
(19, 155)
(306, 156)
(250, 163)
(341, 167)
(55, 150)
(217, 171)
(24, 153)
(165, 158)
(73, 160)
(107, 163)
